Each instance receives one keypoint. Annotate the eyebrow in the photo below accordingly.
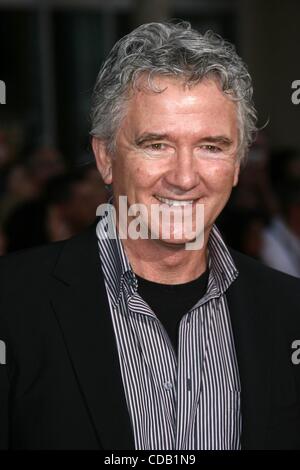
(150, 136)
(217, 139)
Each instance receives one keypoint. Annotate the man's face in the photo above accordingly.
(178, 145)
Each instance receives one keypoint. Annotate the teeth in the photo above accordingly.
(175, 202)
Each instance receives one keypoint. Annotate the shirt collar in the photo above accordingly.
(222, 269)
(116, 268)
(118, 272)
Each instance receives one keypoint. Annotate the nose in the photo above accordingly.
(183, 176)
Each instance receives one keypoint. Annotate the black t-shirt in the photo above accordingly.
(170, 302)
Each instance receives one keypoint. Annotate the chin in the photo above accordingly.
(176, 241)
(175, 244)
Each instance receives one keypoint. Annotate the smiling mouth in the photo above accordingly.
(175, 202)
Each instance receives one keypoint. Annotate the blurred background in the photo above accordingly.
(50, 53)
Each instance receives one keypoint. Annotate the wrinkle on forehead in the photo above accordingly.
(182, 98)
(187, 114)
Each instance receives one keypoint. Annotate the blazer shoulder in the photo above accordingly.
(269, 295)
(251, 268)
(280, 291)
(33, 267)
(29, 264)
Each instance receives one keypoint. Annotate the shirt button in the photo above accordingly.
(168, 385)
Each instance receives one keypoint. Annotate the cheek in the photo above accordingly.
(130, 177)
(144, 175)
(219, 178)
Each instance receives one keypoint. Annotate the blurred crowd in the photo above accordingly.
(43, 200)
(262, 218)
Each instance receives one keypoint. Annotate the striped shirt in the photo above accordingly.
(189, 402)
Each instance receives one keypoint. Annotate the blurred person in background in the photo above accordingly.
(21, 207)
(18, 186)
(281, 238)
(5, 154)
(253, 202)
(11, 140)
(283, 167)
(45, 163)
(66, 206)
(243, 229)
(72, 200)
(255, 191)
(6, 159)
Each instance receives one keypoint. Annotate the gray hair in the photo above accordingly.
(174, 50)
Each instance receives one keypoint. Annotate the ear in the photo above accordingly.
(103, 160)
(236, 174)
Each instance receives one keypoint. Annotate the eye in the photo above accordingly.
(211, 148)
(159, 149)
(156, 146)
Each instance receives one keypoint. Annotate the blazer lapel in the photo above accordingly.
(250, 313)
(80, 303)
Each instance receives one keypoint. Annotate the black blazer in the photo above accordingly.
(61, 387)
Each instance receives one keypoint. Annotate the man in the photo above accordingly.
(167, 340)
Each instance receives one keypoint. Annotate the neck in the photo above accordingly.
(165, 263)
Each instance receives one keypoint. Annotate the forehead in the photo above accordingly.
(178, 105)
